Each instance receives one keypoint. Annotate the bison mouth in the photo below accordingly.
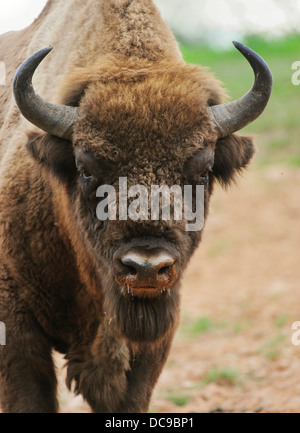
(146, 268)
(150, 286)
(143, 295)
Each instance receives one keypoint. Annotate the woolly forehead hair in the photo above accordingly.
(140, 101)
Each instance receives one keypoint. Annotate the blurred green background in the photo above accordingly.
(278, 129)
(205, 29)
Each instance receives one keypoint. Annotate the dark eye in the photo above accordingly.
(198, 166)
(85, 174)
(204, 178)
(199, 178)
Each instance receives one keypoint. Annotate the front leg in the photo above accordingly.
(147, 361)
(27, 377)
(115, 376)
(100, 374)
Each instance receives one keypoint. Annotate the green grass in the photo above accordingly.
(179, 400)
(278, 129)
(221, 376)
(203, 324)
(281, 320)
(271, 349)
(193, 328)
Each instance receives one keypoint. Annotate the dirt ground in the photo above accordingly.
(240, 295)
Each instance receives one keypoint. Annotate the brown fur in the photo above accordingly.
(143, 115)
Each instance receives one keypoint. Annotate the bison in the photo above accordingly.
(118, 101)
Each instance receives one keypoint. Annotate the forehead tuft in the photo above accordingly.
(162, 108)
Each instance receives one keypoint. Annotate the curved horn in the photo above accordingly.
(233, 116)
(54, 119)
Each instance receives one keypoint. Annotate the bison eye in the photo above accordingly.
(85, 174)
(201, 179)
(204, 178)
(198, 166)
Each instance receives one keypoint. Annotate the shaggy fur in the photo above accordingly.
(144, 115)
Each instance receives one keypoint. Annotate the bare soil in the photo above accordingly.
(242, 286)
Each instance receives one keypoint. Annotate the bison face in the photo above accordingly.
(139, 260)
(147, 251)
(153, 125)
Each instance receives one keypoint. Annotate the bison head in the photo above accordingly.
(151, 124)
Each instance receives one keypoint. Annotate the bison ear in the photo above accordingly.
(232, 154)
(55, 154)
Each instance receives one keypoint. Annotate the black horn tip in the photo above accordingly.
(38, 56)
(257, 63)
(235, 115)
(48, 49)
(54, 119)
(246, 51)
(45, 51)
(29, 65)
(238, 44)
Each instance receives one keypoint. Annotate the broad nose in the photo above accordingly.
(152, 269)
(146, 268)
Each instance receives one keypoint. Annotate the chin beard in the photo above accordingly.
(142, 319)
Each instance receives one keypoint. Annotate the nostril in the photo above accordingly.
(146, 269)
(130, 270)
(129, 266)
(164, 270)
